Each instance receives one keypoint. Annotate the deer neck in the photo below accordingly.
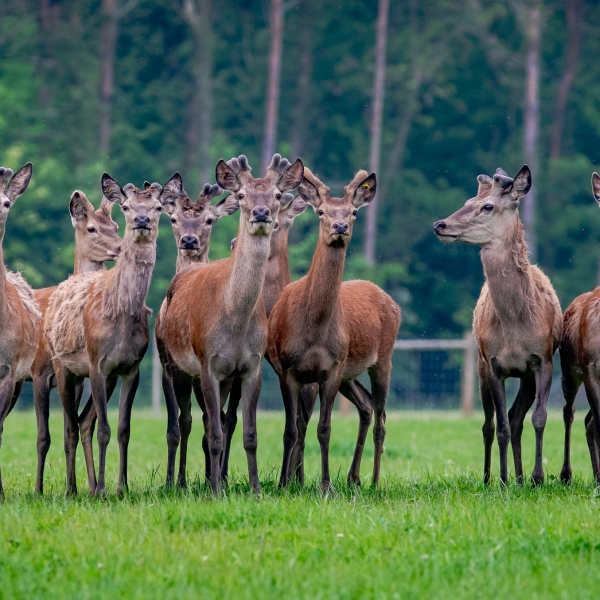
(508, 274)
(246, 276)
(130, 280)
(85, 265)
(184, 261)
(278, 269)
(322, 284)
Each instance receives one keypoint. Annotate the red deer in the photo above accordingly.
(226, 339)
(192, 224)
(97, 327)
(96, 241)
(579, 359)
(19, 314)
(325, 332)
(517, 321)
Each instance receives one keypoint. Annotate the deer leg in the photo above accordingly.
(488, 428)
(41, 402)
(590, 435)
(99, 396)
(571, 383)
(290, 390)
(364, 404)
(498, 395)
(251, 384)
(182, 385)
(214, 430)
(516, 416)
(66, 386)
(543, 381)
(129, 386)
(7, 390)
(380, 384)
(306, 404)
(229, 424)
(197, 387)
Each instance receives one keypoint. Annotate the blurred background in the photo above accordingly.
(427, 94)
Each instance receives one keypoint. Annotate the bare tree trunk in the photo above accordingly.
(376, 118)
(109, 45)
(574, 26)
(532, 99)
(199, 131)
(273, 85)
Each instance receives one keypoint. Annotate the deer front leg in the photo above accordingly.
(214, 430)
(306, 404)
(289, 392)
(516, 416)
(592, 389)
(543, 381)
(41, 402)
(229, 424)
(7, 390)
(498, 396)
(328, 390)
(571, 382)
(182, 390)
(129, 386)
(99, 396)
(590, 435)
(380, 384)
(251, 384)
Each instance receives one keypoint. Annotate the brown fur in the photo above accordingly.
(325, 332)
(517, 321)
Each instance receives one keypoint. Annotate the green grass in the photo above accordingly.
(431, 531)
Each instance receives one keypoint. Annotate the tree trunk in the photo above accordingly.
(376, 118)
(109, 45)
(533, 25)
(273, 84)
(574, 27)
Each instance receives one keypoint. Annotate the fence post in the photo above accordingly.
(156, 378)
(467, 383)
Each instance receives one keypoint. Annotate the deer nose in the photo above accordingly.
(189, 242)
(439, 226)
(261, 214)
(340, 227)
(142, 221)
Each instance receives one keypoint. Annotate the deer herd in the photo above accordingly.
(320, 333)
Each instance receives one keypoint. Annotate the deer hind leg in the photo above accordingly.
(251, 384)
(543, 381)
(571, 382)
(229, 424)
(7, 391)
(361, 398)
(380, 385)
(306, 403)
(516, 416)
(488, 428)
(214, 430)
(100, 399)
(593, 446)
(290, 391)
(178, 395)
(498, 394)
(66, 386)
(41, 402)
(129, 386)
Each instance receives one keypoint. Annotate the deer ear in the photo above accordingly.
(292, 177)
(112, 190)
(106, 206)
(173, 189)
(521, 184)
(365, 191)
(295, 208)
(146, 185)
(308, 192)
(596, 186)
(19, 182)
(225, 207)
(79, 207)
(227, 177)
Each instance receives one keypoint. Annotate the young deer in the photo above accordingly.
(325, 332)
(96, 241)
(19, 314)
(97, 327)
(226, 339)
(579, 359)
(192, 226)
(517, 321)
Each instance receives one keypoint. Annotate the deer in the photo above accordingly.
(96, 242)
(97, 327)
(226, 339)
(19, 314)
(325, 332)
(579, 357)
(517, 321)
(192, 224)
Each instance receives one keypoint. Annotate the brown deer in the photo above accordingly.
(19, 314)
(517, 321)
(579, 359)
(226, 338)
(97, 327)
(192, 224)
(96, 241)
(325, 332)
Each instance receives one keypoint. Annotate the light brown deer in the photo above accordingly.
(579, 359)
(19, 314)
(517, 321)
(97, 327)
(325, 332)
(225, 338)
(96, 241)
(192, 224)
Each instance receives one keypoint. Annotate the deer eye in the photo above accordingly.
(278, 196)
(488, 208)
(7, 204)
(91, 230)
(209, 221)
(125, 208)
(159, 208)
(354, 213)
(173, 221)
(240, 196)
(320, 213)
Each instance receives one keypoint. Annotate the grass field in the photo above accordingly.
(431, 531)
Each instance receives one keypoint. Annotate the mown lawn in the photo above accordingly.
(431, 531)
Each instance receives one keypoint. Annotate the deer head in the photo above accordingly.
(17, 184)
(259, 199)
(338, 215)
(489, 215)
(192, 222)
(596, 187)
(142, 208)
(96, 236)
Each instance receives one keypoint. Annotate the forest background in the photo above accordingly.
(143, 88)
